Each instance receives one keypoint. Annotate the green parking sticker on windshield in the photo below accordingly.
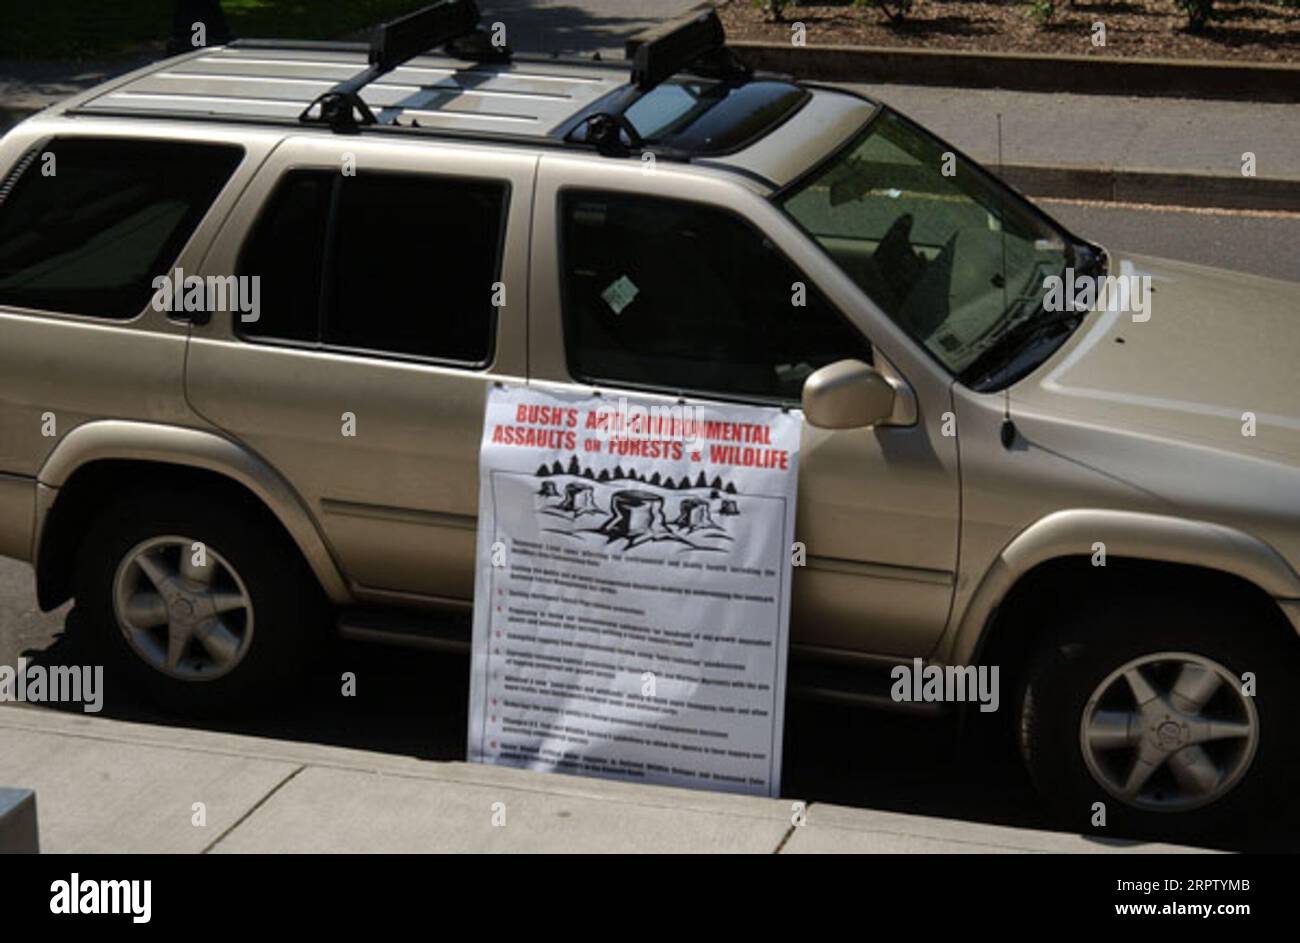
(620, 294)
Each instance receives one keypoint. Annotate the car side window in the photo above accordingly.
(381, 263)
(286, 251)
(675, 296)
(88, 223)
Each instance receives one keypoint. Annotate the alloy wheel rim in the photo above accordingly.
(193, 623)
(1169, 732)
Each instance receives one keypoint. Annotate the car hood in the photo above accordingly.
(1218, 349)
(1163, 405)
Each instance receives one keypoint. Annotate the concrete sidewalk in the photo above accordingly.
(112, 786)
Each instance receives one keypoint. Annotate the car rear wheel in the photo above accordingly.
(207, 607)
(1177, 719)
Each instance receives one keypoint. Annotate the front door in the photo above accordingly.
(681, 288)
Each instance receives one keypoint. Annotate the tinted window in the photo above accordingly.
(286, 251)
(87, 231)
(410, 268)
(679, 296)
(706, 117)
(947, 252)
(414, 265)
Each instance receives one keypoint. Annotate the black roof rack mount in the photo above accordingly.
(396, 42)
(696, 39)
(696, 42)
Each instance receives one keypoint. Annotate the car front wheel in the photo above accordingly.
(1173, 721)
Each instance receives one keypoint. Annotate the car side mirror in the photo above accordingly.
(847, 394)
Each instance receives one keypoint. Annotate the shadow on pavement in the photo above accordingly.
(415, 703)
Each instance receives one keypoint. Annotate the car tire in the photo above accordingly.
(205, 605)
(1109, 714)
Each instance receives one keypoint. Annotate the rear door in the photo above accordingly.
(676, 285)
(392, 292)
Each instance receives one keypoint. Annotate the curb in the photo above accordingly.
(279, 792)
(18, 831)
(1107, 185)
(1092, 75)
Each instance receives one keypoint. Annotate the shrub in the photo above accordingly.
(1042, 11)
(895, 10)
(1198, 12)
(773, 10)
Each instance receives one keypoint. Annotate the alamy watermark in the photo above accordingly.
(633, 422)
(1129, 293)
(67, 684)
(921, 683)
(179, 293)
(77, 896)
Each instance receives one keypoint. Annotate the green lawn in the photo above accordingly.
(62, 29)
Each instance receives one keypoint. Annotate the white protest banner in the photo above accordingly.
(632, 597)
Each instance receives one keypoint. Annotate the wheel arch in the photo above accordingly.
(1156, 545)
(108, 453)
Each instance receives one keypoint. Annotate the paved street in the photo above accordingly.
(1259, 243)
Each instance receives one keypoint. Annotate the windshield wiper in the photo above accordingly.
(1017, 338)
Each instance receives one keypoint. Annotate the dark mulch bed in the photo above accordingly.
(1252, 31)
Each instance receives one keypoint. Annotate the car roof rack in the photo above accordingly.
(448, 23)
(695, 42)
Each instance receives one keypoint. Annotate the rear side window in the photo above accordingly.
(386, 263)
(286, 251)
(682, 297)
(91, 222)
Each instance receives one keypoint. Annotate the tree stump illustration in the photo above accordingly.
(579, 499)
(548, 490)
(729, 509)
(636, 516)
(694, 514)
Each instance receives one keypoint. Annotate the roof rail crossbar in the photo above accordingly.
(695, 42)
(392, 44)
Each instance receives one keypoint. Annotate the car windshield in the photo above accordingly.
(953, 258)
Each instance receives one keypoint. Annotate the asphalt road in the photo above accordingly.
(1260, 243)
(415, 703)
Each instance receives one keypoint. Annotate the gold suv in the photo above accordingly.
(252, 297)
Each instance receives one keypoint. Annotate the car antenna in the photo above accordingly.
(1008, 427)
